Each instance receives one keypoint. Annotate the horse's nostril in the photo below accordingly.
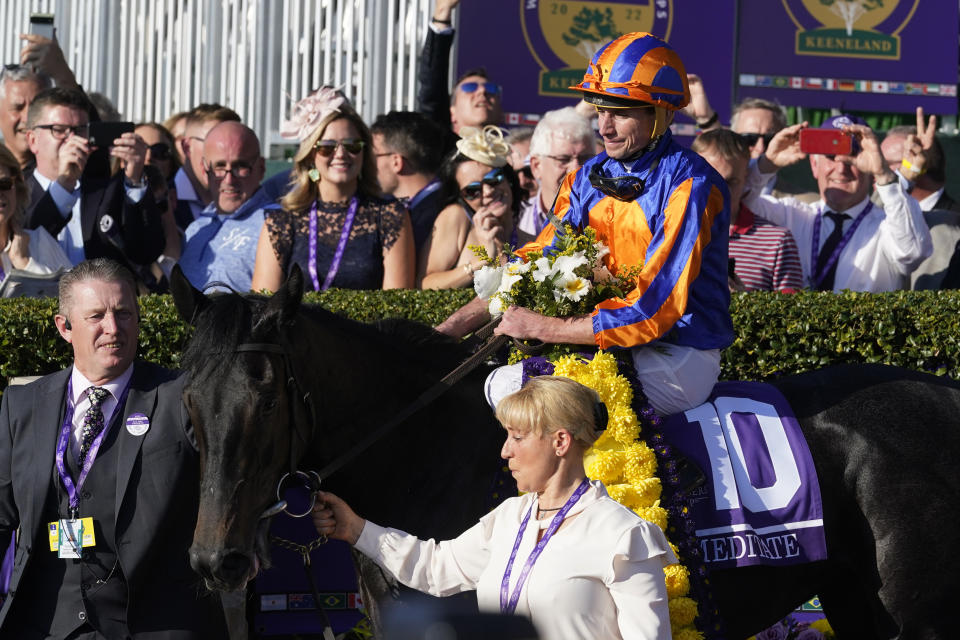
(202, 561)
(233, 566)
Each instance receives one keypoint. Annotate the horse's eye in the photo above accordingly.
(269, 405)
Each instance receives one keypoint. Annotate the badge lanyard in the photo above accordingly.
(73, 491)
(817, 278)
(508, 602)
(422, 194)
(341, 245)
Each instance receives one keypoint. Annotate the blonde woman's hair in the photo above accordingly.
(303, 191)
(8, 160)
(547, 404)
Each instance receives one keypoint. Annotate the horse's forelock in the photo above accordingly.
(225, 323)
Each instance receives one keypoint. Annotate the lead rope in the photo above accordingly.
(304, 550)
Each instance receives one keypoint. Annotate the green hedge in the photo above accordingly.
(775, 334)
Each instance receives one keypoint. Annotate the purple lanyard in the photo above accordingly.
(509, 604)
(73, 492)
(423, 193)
(341, 245)
(817, 278)
(3, 273)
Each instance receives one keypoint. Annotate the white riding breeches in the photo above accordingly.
(674, 378)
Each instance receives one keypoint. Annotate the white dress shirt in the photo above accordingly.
(186, 192)
(81, 401)
(891, 241)
(599, 576)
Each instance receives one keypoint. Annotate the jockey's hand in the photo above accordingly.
(335, 519)
(525, 324)
(521, 323)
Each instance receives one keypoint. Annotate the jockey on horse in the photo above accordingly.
(662, 210)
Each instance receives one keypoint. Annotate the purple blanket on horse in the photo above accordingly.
(761, 500)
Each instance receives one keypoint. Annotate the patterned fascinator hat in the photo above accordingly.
(486, 145)
(635, 69)
(307, 114)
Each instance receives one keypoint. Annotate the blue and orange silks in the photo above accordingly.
(677, 230)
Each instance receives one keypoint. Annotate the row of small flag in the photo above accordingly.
(862, 86)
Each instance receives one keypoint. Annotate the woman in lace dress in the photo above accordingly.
(483, 195)
(333, 224)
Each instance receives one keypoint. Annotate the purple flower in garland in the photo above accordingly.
(776, 632)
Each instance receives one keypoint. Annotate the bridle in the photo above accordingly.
(301, 403)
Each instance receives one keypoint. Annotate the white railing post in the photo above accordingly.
(156, 57)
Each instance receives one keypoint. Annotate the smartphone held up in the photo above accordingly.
(827, 142)
(41, 24)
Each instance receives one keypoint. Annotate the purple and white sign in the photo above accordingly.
(761, 502)
(871, 55)
(536, 49)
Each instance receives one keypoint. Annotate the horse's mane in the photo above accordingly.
(415, 342)
(229, 320)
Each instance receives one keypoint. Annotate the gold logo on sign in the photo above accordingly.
(849, 27)
(564, 35)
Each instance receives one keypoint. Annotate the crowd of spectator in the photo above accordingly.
(400, 202)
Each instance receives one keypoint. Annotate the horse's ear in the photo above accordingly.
(283, 305)
(188, 300)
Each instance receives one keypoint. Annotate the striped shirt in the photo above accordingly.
(765, 255)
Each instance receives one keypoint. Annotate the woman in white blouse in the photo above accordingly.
(24, 250)
(575, 561)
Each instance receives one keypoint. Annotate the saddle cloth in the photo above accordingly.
(760, 504)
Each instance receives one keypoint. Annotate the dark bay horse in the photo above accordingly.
(275, 385)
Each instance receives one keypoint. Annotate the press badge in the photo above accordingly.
(67, 537)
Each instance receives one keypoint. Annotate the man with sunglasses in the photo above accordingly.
(91, 217)
(475, 100)
(661, 210)
(845, 241)
(221, 244)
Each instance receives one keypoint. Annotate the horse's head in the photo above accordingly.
(251, 423)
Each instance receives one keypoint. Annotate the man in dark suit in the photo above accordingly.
(104, 448)
(91, 215)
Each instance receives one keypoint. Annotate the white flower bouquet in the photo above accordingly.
(571, 280)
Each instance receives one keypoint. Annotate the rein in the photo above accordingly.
(490, 346)
(314, 478)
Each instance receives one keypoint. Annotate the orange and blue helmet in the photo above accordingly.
(636, 68)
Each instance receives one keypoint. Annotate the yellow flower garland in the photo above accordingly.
(628, 468)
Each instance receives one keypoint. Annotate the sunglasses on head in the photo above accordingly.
(623, 188)
(327, 148)
(159, 151)
(6, 184)
(489, 88)
(474, 190)
(751, 138)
